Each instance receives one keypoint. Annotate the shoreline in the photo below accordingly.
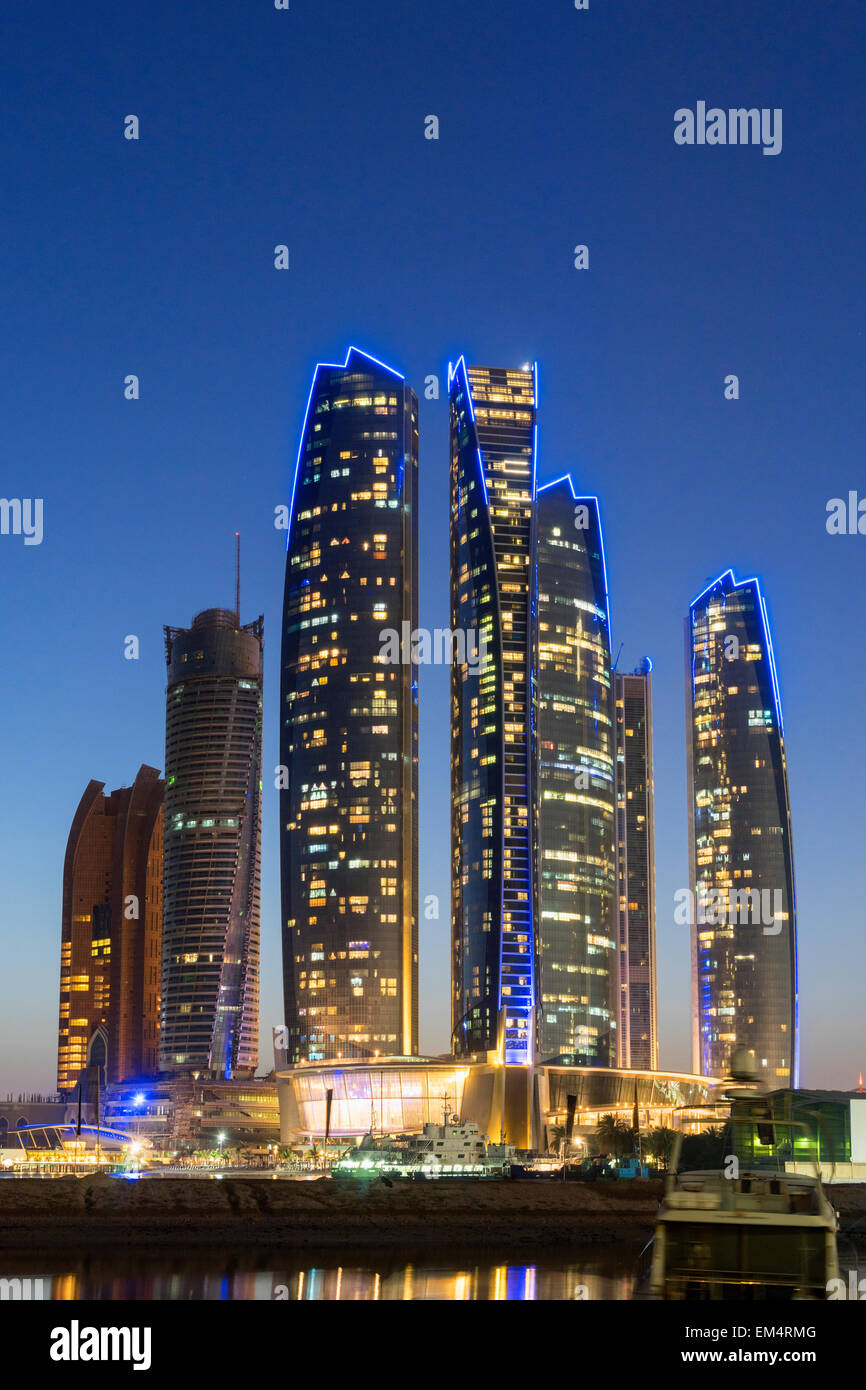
(101, 1214)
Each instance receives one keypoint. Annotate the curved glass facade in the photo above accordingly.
(493, 413)
(349, 720)
(742, 900)
(399, 1095)
(574, 762)
(393, 1098)
(212, 861)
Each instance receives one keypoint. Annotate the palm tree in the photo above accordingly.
(606, 1133)
(660, 1142)
(704, 1150)
(616, 1136)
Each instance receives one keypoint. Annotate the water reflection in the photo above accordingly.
(592, 1274)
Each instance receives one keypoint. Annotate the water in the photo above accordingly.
(593, 1272)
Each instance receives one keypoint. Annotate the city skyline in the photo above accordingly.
(167, 271)
(490, 385)
(551, 787)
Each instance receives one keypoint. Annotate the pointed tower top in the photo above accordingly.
(238, 577)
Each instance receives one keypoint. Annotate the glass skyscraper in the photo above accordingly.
(638, 1022)
(349, 720)
(492, 452)
(211, 887)
(573, 746)
(742, 906)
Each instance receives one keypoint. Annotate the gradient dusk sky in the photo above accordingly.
(306, 127)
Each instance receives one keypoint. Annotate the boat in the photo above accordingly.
(762, 1234)
(455, 1149)
(527, 1164)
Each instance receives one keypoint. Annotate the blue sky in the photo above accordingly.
(306, 127)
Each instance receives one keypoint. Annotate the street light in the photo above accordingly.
(221, 1139)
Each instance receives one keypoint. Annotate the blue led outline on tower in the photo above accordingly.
(519, 1055)
(777, 697)
(326, 366)
(765, 624)
(566, 478)
(535, 428)
(603, 774)
(352, 351)
(453, 373)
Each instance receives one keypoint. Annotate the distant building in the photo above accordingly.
(575, 807)
(213, 762)
(23, 1114)
(742, 899)
(794, 1130)
(111, 932)
(636, 909)
(183, 1113)
(349, 720)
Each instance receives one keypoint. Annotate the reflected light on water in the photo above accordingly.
(595, 1274)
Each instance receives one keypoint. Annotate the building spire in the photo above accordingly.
(238, 576)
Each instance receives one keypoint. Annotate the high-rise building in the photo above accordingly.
(111, 932)
(638, 1021)
(742, 896)
(213, 769)
(349, 720)
(493, 437)
(575, 820)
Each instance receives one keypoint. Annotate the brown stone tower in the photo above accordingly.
(112, 930)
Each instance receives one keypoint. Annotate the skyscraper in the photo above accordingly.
(742, 905)
(575, 821)
(111, 931)
(493, 436)
(638, 1023)
(349, 720)
(213, 769)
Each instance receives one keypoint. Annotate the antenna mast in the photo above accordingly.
(238, 577)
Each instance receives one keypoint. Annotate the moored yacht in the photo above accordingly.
(761, 1235)
(744, 1231)
(456, 1149)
